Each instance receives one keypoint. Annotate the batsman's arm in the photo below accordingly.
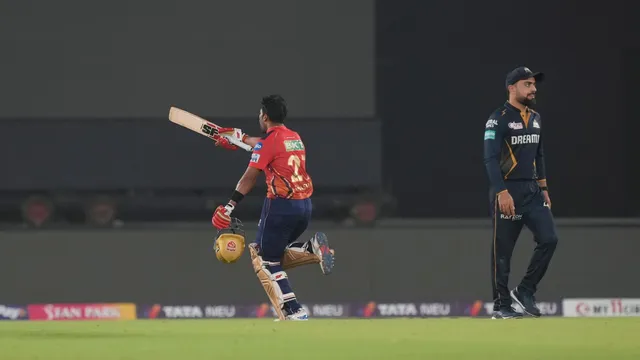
(245, 185)
(493, 138)
(260, 159)
(221, 215)
(251, 140)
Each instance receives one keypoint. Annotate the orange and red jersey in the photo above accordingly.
(282, 157)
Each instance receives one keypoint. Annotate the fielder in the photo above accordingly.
(286, 211)
(515, 163)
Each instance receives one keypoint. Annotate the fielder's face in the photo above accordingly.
(525, 91)
(262, 121)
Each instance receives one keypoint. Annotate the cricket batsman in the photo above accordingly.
(515, 163)
(286, 211)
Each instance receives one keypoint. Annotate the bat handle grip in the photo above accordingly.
(235, 141)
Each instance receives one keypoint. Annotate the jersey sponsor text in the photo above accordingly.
(525, 139)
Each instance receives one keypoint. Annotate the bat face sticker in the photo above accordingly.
(209, 130)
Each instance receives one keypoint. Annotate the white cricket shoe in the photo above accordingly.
(299, 315)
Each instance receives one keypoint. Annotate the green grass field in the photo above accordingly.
(544, 338)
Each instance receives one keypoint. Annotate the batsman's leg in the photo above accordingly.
(314, 251)
(540, 221)
(505, 234)
(273, 233)
(275, 282)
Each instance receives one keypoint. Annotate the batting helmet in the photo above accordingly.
(229, 244)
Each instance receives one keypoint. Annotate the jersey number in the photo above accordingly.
(295, 161)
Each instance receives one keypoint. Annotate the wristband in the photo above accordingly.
(237, 196)
(544, 188)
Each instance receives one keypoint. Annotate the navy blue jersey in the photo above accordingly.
(513, 146)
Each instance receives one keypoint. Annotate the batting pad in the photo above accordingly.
(269, 282)
(296, 256)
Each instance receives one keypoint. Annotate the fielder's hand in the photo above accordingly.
(547, 199)
(221, 217)
(507, 206)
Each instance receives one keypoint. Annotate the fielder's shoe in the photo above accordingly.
(506, 313)
(320, 246)
(526, 301)
(299, 315)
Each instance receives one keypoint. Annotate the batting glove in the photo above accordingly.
(233, 132)
(224, 143)
(221, 217)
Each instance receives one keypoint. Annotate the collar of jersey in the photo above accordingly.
(508, 104)
(274, 128)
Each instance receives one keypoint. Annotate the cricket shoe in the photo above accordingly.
(299, 315)
(526, 301)
(506, 313)
(320, 246)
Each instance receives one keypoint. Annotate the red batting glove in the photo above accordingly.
(225, 144)
(221, 217)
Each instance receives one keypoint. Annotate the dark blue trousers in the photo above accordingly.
(281, 223)
(532, 212)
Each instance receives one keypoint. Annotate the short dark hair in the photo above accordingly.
(275, 108)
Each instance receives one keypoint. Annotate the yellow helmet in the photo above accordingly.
(229, 245)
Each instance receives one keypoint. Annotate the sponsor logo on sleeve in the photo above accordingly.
(491, 124)
(489, 135)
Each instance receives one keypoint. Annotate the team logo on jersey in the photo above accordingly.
(255, 158)
(258, 146)
(489, 135)
(293, 145)
(515, 125)
(536, 124)
(525, 139)
(491, 123)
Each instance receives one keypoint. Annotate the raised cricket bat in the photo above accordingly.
(201, 126)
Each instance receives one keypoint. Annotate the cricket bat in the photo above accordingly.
(201, 126)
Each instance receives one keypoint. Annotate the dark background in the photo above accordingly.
(428, 73)
(441, 68)
(124, 59)
(390, 98)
